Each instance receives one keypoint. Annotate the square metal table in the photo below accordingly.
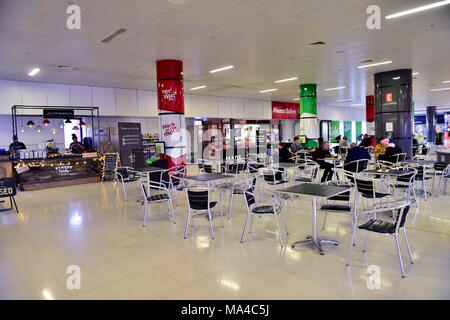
(286, 165)
(208, 177)
(315, 190)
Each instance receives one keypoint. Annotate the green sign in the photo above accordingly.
(348, 130)
(308, 99)
(334, 131)
(358, 129)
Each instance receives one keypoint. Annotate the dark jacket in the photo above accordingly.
(390, 153)
(321, 154)
(285, 154)
(357, 153)
(367, 142)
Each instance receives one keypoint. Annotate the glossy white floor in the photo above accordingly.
(93, 227)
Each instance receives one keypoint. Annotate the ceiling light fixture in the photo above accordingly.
(344, 100)
(395, 78)
(337, 88)
(418, 9)
(221, 69)
(285, 80)
(374, 64)
(268, 90)
(446, 81)
(415, 73)
(34, 72)
(197, 88)
(440, 89)
(356, 105)
(297, 99)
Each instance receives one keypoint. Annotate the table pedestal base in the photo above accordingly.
(317, 243)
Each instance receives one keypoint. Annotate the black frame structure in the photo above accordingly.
(78, 108)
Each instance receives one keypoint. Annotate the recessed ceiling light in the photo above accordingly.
(196, 88)
(374, 64)
(418, 9)
(356, 105)
(285, 80)
(344, 100)
(446, 81)
(34, 72)
(297, 99)
(396, 78)
(440, 89)
(268, 90)
(221, 69)
(337, 88)
(415, 73)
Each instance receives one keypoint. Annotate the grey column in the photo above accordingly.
(393, 107)
(431, 124)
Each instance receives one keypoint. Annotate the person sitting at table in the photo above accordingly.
(76, 146)
(366, 141)
(285, 155)
(295, 146)
(355, 153)
(391, 151)
(381, 146)
(319, 155)
(344, 142)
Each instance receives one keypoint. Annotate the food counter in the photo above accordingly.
(36, 174)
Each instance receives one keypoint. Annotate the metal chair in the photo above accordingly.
(253, 209)
(422, 177)
(125, 174)
(356, 166)
(239, 185)
(439, 168)
(445, 175)
(367, 189)
(407, 182)
(162, 195)
(199, 200)
(309, 172)
(384, 227)
(177, 181)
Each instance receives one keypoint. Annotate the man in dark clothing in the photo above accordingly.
(355, 153)
(285, 155)
(366, 142)
(390, 153)
(323, 152)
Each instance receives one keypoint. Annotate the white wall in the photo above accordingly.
(341, 113)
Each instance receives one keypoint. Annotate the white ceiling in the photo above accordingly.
(266, 40)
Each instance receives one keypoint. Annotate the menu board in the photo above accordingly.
(109, 164)
(130, 139)
(261, 140)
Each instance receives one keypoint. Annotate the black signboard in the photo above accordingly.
(130, 139)
(7, 187)
(261, 140)
(58, 113)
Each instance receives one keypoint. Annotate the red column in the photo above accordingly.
(169, 75)
(370, 117)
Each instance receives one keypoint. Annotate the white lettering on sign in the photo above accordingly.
(63, 169)
(6, 191)
(169, 95)
(169, 129)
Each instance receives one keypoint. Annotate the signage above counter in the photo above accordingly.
(58, 113)
(285, 110)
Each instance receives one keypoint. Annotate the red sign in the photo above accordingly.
(285, 110)
(388, 97)
(171, 96)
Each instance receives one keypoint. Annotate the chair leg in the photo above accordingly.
(439, 189)
(352, 243)
(124, 191)
(445, 185)
(400, 256)
(211, 224)
(245, 228)
(285, 221)
(408, 246)
(171, 210)
(187, 223)
(251, 224)
(279, 231)
(144, 214)
(424, 186)
(365, 241)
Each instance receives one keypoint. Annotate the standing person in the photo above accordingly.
(16, 145)
(366, 142)
(321, 153)
(295, 146)
(76, 146)
(344, 142)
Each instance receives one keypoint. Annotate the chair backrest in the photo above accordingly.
(366, 187)
(409, 177)
(440, 166)
(401, 157)
(402, 214)
(424, 151)
(356, 166)
(198, 199)
(249, 197)
(207, 168)
(272, 175)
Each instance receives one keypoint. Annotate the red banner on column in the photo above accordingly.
(171, 96)
(285, 110)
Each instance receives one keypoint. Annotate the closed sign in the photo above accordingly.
(7, 187)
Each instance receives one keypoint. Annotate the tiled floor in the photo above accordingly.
(93, 227)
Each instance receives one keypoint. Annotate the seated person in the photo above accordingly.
(321, 153)
(366, 142)
(391, 151)
(295, 146)
(76, 146)
(355, 153)
(16, 145)
(344, 142)
(285, 155)
(381, 146)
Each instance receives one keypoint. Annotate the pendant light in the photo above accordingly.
(75, 128)
(38, 128)
(68, 121)
(53, 129)
(61, 124)
(82, 123)
(30, 123)
(46, 122)
(22, 128)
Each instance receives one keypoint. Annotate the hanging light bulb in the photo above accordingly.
(68, 121)
(30, 123)
(22, 128)
(88, 126)
(82, 123)
(75, 128)
(46, 122)
(38, 128)
(61, 124)
(54, 130)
